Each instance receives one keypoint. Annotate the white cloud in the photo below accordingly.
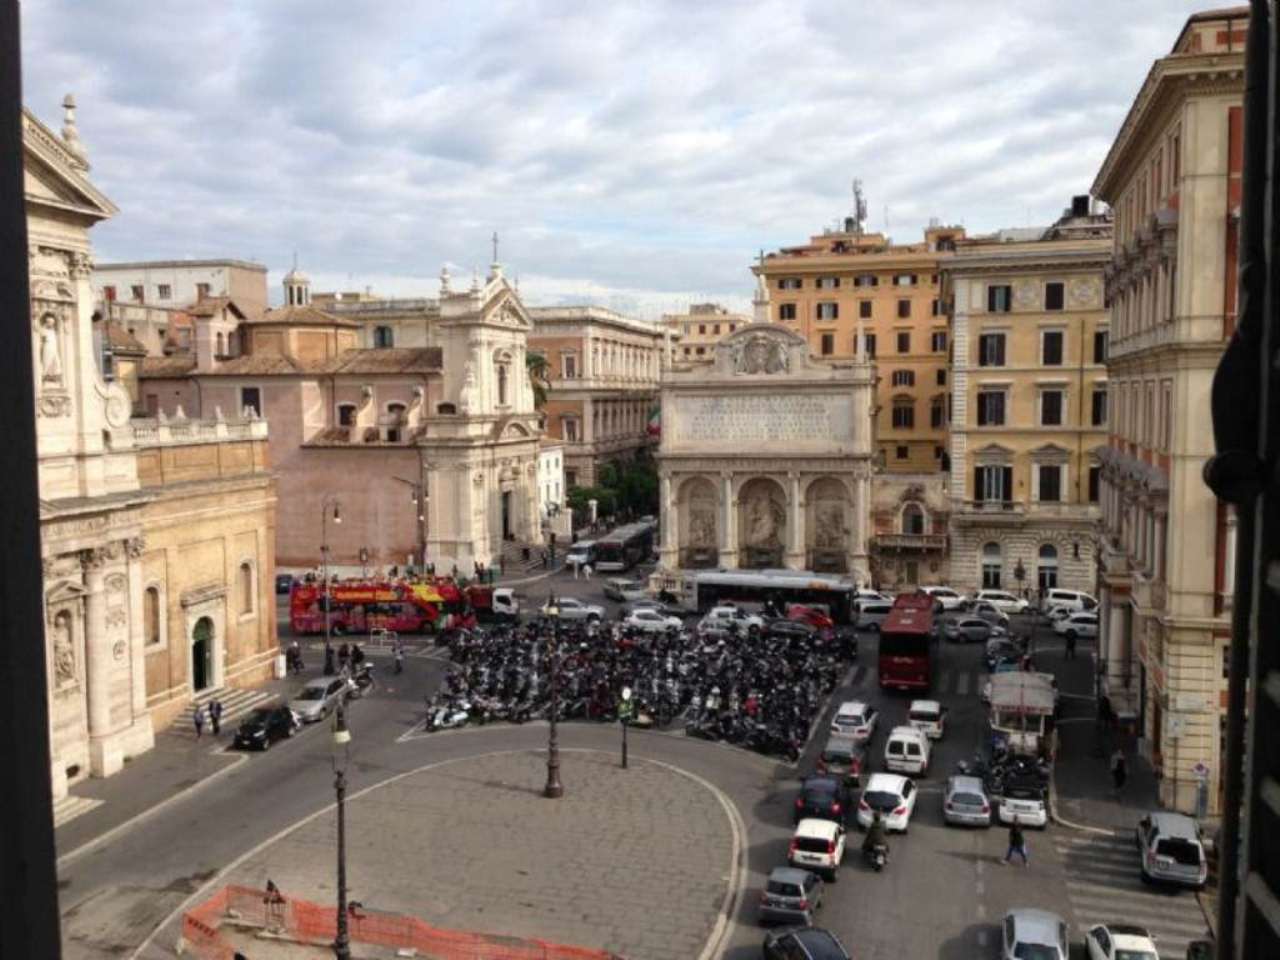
(635, 152)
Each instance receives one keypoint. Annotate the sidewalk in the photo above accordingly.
(1086, 796)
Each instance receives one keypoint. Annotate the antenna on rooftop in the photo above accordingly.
(859, 208)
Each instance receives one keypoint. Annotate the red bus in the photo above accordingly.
(363, 605)
(906, 641)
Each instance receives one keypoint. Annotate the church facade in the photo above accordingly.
(766, 459)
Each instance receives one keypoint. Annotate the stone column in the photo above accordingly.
(729, 524)
(104, 758)
(670, 556)
(794, 558)
(138, 658)
(858, 565)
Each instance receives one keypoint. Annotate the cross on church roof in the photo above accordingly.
(495, 246)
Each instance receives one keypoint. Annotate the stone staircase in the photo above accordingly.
(70, 807)
(236, 702)
(514, 564)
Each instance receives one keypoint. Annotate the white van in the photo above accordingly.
(1072, 600)
(581, 553)
(907, 751)
(872, 613)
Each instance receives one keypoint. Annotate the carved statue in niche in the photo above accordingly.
(829, 532)
(50, 350)
(765, 518)
(702, 525)
(469, 396)
(64, 656)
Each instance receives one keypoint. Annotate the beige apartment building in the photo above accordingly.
(1173, 178)
(701, 329)
(174, 284)
(1029, 405)
(603, 370)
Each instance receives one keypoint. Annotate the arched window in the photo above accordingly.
(913, 519)
(1047, 569)
(992, 566)
(384, 337)
(245, 584)
(502, 384)
(151, 615)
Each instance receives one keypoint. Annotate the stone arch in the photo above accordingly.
(992, 556)
(762, 522)
(828, 523)
(1047, 566)
(913, 518)
(698, 509)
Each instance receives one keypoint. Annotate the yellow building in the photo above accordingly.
(701, 329)
(1029, 404)
(1173, 178)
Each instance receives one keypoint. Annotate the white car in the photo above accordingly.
(1033, 933)
(907, 751)
(650, 621)
(1002, 600)
(1025, 803)
(1120, 941)
(728, 616)
(1077, 625)
(947, 598)
(855, 719)
(817, 845)
(929, 717)
(893, 795)
(570, 608)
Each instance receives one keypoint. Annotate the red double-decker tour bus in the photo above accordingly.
(906, 644)
(359, 606)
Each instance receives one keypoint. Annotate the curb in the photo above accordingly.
(1071, 825)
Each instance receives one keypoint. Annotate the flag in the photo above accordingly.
(654, 426)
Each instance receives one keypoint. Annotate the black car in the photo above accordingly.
(265, 725)
(1001, 650)
(789, 629)
(284, 582)
(826, 798)
(804, 943)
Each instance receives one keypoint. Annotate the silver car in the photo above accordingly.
(320, 697)
(1033, 933)
(790, 895)
(965, 802)
(569, 608)
(968, 630)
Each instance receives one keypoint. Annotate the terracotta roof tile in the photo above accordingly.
(303, 316)
(121, 340)
(211, 305)
(178, 365)
(387, 360)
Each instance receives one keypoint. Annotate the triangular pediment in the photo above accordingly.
(506, 307)
(53, 177)
(993, 450)
(65, 591)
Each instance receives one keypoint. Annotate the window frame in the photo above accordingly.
(995, 298)
(979, 404)
(1045, 339)
(162, 622)
(787, 311)
(1000, 339)
(1041, 395)
(902, 337)
(258, 406)
(1061, 298)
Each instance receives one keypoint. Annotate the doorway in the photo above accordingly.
(506, 514)
(913, 572)
(201, 654)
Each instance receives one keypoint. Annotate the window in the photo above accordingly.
(864, 309)
(569, 364)
(869, 340)
(245, 584)
(991, 408)
(827, 283)
(395, 417)
(1051, 408)
(789, 283)
(1166, 419)
(1050, 482)
(1047, 568)
(942, 377)
(570, 479)
(569, 426)
(202, 291)
(938, 413)
(1051, 348)
(828, 344)
(1095, 476)
(904, 378)
(151, 616)
(733, 327)
(384, 337)
(136, 291)
(164, 291)
(993, 482)
(938, 341)
(913, 519)
(502, 384)
(902, 453)
(866, 280)
(992, 567)
(904, 341)
(935, 307)
(904, 413)
(938, 453)
(109, 294)
(702, 328)
(251, 399)
(905, 280)
(1054, 295)
(991, 350)
(716, 328)
(828, 310)
(700, 351)
(904, 309)
(999, 298)
(1100, 338)
(346, 414)
(220, 346)
(786, 311)
(1099, 415)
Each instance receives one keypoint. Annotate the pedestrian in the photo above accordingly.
(544, 560)
(586, 571)
(1119, 770)
(198, 719)
(328, 661)
(1017, 844)
(215, 716)
(1071, 646)
(399, 659)
(502, 564)
(344, 654)
(455, 571)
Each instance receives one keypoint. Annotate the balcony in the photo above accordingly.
(177, 432)
(1148, 594)
(990, 511)
(910, 542)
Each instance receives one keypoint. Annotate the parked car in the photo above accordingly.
(570, 608)
(893, 795)
(1035, 934)
(284, 582)
(1072, 600)
(822, 797)
(790, 896)
(1172, 850)
(967, 630)
(906, 751)
(623, 590)
(320, 697)
(1001, 648)
(869, 596)
(725, 616)
(804, 944)
(844, 758)
(265, 725)
(1055, 614)
(817, 845)
(965, 802)
(1077, 625)
(872, 613)
(649, 603)
(1026, 801)
(988, 611)
(1120, 941)
(947, 598)
(855, 719)
(789, 629)
(650, 621)
(929, 717)
(1002, 600)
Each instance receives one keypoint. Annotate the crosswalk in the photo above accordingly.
(959, 682)
(1104, 886)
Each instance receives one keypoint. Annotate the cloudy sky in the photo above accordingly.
(632, 154)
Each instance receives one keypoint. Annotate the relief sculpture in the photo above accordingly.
(830, 532)
(64, 657)
(50, 350)
(702, 525)
(765, 518)
(760, 354)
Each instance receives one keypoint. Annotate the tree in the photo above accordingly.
(539, 377)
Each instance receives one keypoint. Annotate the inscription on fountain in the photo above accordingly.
(757, 419)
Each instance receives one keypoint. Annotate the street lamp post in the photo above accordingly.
(418, 497)
(624, 715)
(325, 597)
(554, 789)
(341, 739)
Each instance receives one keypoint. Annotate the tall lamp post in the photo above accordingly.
(325, 599)
(341, 752)
(418, 496)
(624, 715)
(554, 789)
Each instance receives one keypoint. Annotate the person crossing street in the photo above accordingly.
(1017, 844)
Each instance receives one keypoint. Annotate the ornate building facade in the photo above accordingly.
(157, 547)
(766, 458)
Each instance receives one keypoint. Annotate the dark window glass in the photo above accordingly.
(999, 298)
(904, 308)
(1100, 343)
(1099, 417)
(904, 342)
(991, 350)
(1052, 348)
(1051, 408)
(1050, 483)
(1054, 296)
(828, 344)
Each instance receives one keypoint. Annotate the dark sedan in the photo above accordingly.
(265, 725)
(825, 798)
